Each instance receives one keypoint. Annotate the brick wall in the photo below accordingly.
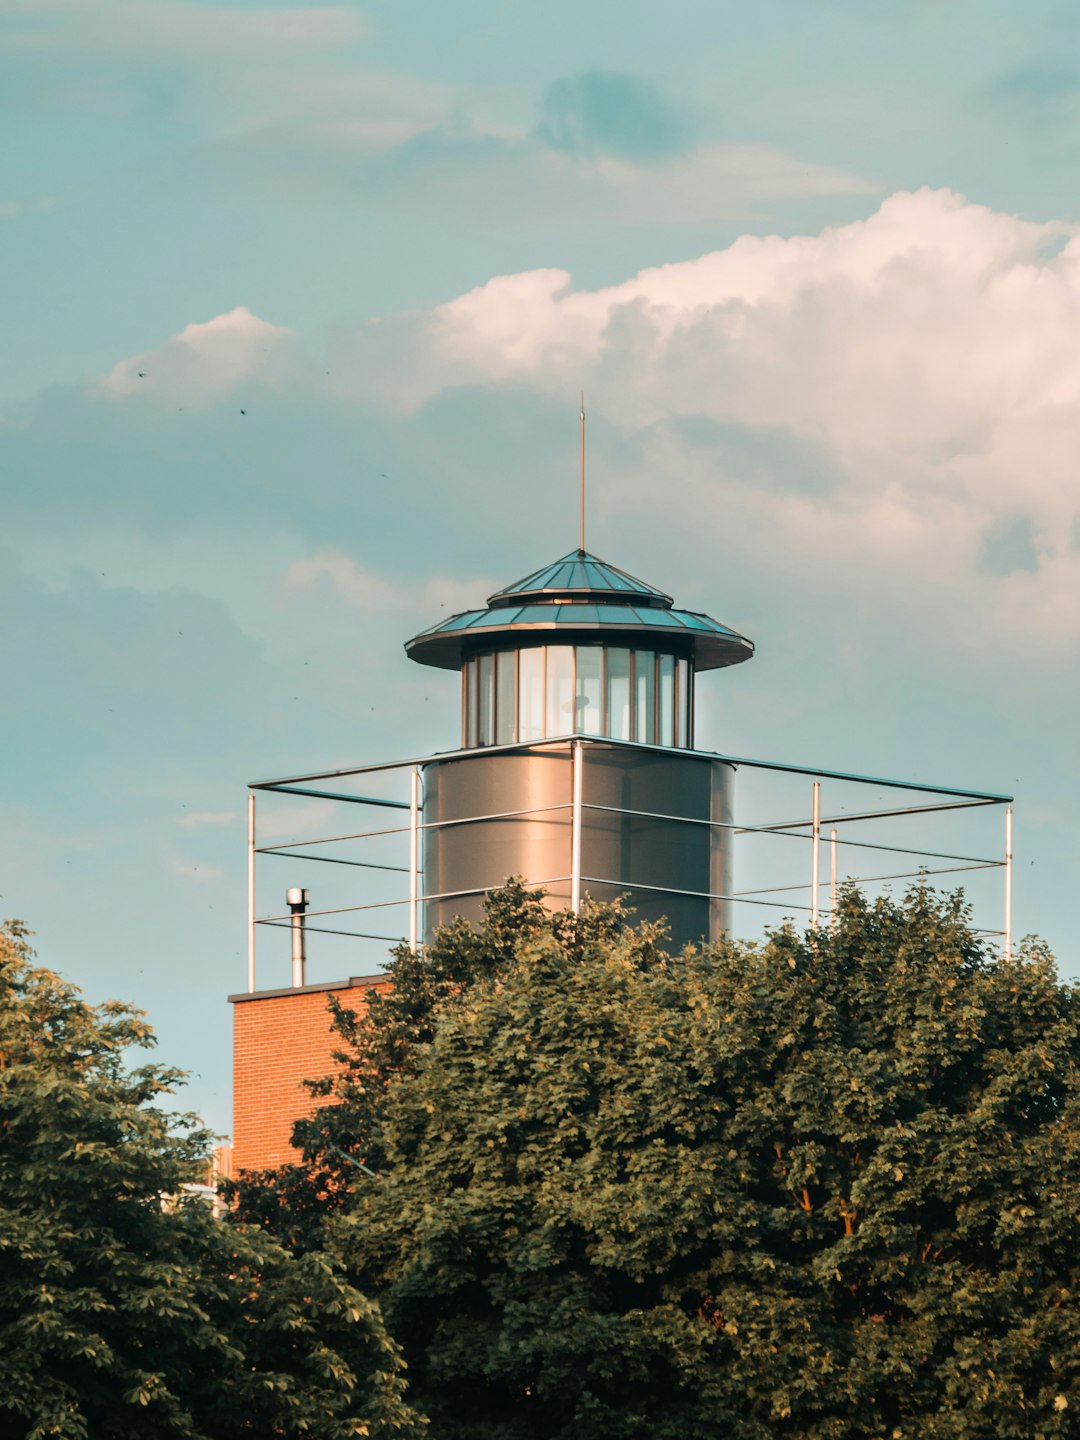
(280, 1039)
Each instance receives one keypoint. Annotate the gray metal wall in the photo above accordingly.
(617, 850)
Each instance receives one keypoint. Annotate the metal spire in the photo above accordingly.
(581, 546)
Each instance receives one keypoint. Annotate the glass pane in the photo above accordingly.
(618, 694)
(505, 688)
(468, 682)
(531, 694)
(560, 689)
(683, 737)
(645, 696)
(667, 700)
(590, 671)
(486, 726)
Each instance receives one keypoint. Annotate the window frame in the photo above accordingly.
(648, 664)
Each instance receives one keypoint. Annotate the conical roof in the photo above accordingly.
(577, 576)
(580, 599)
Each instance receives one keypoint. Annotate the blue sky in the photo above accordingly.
(815, 266)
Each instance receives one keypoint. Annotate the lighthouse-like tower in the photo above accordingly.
(577, 769)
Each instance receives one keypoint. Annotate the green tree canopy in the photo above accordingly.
(126, 1308)
(827, 1186)
(339, 1143)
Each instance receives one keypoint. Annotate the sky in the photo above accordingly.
(296, 303)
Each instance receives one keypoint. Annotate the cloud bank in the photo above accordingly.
(897, 398)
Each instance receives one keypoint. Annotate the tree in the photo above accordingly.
(823, 1187)
(126, 1308)
(340, 1144)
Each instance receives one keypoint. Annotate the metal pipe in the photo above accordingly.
(575, 832)
(785, 831)
(297, 901)
(334, 860)
(391, 904)
(626, 886)
(333, 839)
(832, 878)
(882, 814)
(1008, 880)
(335, 795)
(815, 850)
(414, 855)
(865, 879)
(550, 741)
(322, 930)
(251, 892)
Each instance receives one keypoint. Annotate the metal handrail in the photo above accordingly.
(552, 740)
(815, 829)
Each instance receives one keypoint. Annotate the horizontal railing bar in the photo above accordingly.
(987, 796)
(324, 930)
(786, 831)
(688, 894)
(333, 795)
(872, 879)
(877, 814)
(907, 850)
(500, 815)
(659, 889)
(334, 860)
(338, 910)
(522, 746)
(332, 839)
(487, 889)
(387, 904)
(782, 831)
(658, 815)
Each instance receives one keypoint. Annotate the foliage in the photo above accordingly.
(823, 1187)
(340, 1144)
(126, 1308)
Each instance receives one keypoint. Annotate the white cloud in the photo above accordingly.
(38, 206)
(922, 363)
(928, 353)
(172, 29)
(208, 358)
(372, 594)
(419, 160)
(356, 586)
(196, 819)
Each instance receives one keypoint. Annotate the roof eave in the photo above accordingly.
(447, 650)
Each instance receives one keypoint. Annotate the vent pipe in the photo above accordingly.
(297, 901)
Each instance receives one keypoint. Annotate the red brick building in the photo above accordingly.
(280, 1039)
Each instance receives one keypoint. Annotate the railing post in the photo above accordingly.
(251, 893)
(815, 855)
(1008, 880)
(414, 855)
(575, 830)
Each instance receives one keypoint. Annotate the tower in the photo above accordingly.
(577, 769)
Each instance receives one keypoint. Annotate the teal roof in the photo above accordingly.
(579, 574)
(582, 599)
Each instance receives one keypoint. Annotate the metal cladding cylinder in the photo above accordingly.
(655, 829)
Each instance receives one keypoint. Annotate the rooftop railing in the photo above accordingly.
(798, 872)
